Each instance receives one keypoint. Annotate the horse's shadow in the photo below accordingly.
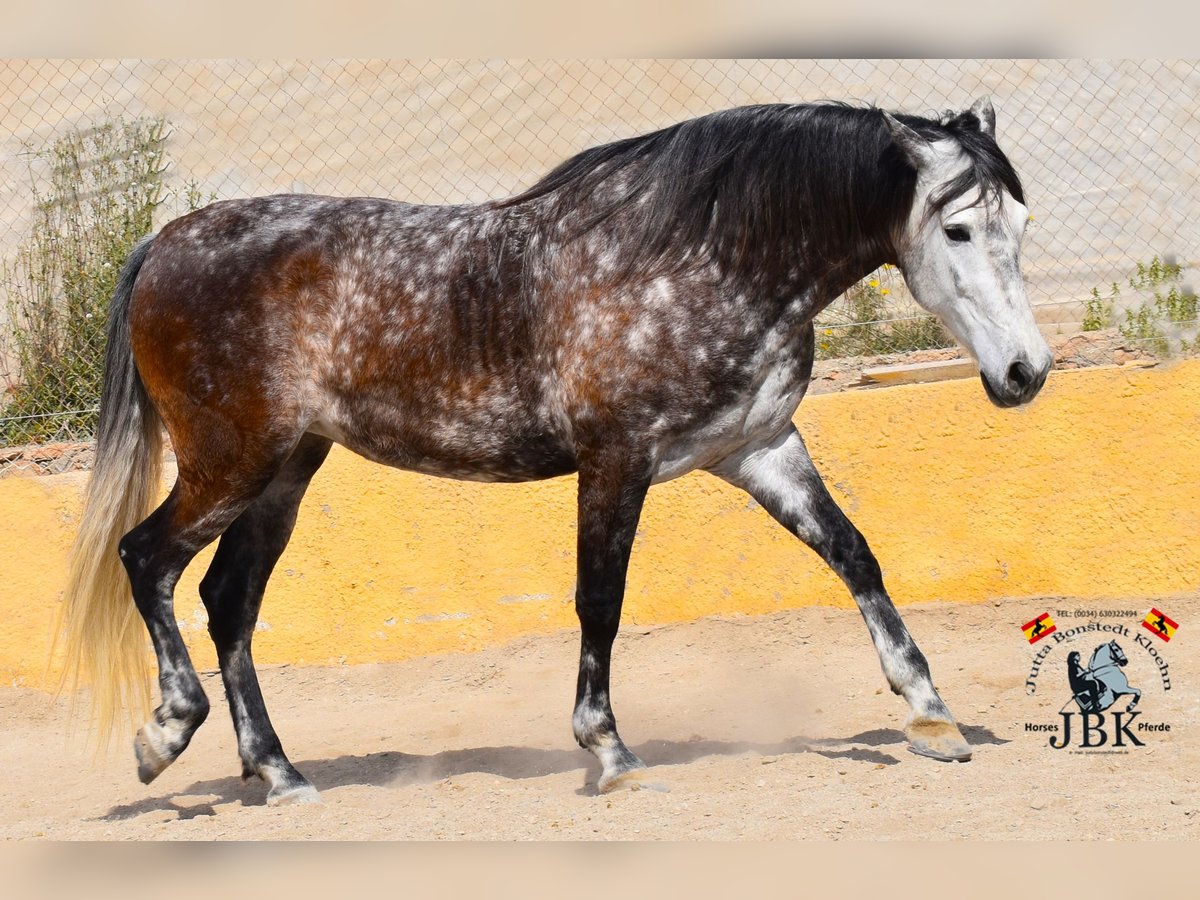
(394, 769)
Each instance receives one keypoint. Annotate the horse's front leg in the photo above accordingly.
(781, 477)
(232, 591)
(612, 487)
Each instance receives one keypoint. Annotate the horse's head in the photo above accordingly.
(1107, 655)
(1117, 654)
(961, 246)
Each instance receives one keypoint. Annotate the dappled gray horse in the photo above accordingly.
(643, 311)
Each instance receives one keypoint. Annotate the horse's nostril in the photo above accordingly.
(1020, 376)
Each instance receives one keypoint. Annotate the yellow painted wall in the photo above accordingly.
(1094, 491)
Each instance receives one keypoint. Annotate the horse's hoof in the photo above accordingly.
(290, 796)
(631, 780)
(153, 755)
(937, 739)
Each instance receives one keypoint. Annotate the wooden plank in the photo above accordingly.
(949, 369)
(914, 373)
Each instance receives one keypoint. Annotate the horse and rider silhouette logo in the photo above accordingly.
(1097, 687)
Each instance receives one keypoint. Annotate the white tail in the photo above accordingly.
(103, 632)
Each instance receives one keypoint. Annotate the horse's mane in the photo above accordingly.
(764, 188)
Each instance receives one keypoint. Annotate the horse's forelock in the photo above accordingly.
(989, 169)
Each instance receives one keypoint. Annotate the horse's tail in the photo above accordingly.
(104, 638)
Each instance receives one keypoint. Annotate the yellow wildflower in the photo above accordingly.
(885, 292)
(873, 283)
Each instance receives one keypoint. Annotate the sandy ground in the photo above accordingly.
(777, 727)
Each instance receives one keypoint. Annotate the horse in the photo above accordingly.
(1098, 687)
(643, 311)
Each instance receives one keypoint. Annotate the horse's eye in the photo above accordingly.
(958, 233)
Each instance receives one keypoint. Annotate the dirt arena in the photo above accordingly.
(763, 728)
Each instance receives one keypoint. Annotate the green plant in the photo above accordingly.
(1160, 321)
(95, 192)
(1099, 311)
(866, 323)
(1155, 274)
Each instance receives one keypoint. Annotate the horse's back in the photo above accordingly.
(380, 324)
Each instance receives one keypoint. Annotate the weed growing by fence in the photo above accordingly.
(96, 193)
(1163, 322)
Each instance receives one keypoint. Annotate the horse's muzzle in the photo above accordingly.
(1021, 384)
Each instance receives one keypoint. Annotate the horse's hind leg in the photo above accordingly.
(612, 488)
(155, 554)
(781, 476)
(154, 560)
(232, 591)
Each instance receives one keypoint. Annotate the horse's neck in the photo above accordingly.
(814, 270)
(817, 271)
(823, 287)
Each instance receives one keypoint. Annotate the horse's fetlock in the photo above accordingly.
(591, 726)
(190, 713)
(585, 736)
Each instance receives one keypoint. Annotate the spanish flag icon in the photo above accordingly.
(1160, 625)
(1038, 628)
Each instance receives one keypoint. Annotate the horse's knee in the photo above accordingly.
(229, 594)
(212, 595)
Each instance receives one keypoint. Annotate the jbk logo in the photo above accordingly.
(1088, 721)
(1096, 731)
(1102, 714)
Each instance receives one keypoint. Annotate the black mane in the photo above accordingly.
(771, 192)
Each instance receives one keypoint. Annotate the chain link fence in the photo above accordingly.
(96, 152)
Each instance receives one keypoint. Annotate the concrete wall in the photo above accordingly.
(1092, 492)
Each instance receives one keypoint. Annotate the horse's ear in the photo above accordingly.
(916, 149)
(983, 111)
